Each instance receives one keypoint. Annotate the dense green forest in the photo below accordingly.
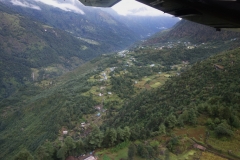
(139, 108)
(209, 87)
(151, 102)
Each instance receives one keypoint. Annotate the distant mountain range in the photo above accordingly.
(144, 26)
(29, 47)
(39, 41)
(100, 24)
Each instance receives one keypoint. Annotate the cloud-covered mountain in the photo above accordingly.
(71, 6)
(25, 4)
(99, 31)
(124, 7)
(141, 20)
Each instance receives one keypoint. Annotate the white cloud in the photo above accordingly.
(132, 7)
(25, 4)
(124, 7)
(68, 5)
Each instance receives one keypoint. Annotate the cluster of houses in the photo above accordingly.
(101, 94)
(112, 69)
(104, 77)
(173, 44)
(123, 53)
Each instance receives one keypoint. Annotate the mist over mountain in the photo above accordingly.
(95, 25)
(36, 35)
(93, 22)
(145, 26)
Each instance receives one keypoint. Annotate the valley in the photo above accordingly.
(104, 92)
(40, 46)
(72, 92)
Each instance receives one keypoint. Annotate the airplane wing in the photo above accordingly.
(99, 3)
(214, 13)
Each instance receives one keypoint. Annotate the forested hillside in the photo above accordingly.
(121, 98)
(210, 87)
(33, 51)
(193, 32)
(176, 96)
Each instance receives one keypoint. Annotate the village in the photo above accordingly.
(108, 100)
(103, 94)
(181, 44)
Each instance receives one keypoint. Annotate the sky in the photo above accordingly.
(132, 7)
(125, 7)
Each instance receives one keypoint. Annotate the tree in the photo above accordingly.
(112, 136)
(136, 132)
(126, 133)
(192, 118)
(120, 134)
(173, 143)
(131, 151)
(42, 153)
(162, 129)
(61, 153)
(70, 144)
(95, 138)
(234, 121)
(142, 151)
(46, 151)
(80, 148)
(24, 155)
(223, 129)
(210, 123)
(151, 151)
(171, 121)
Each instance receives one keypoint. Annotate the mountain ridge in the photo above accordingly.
(29, 47)
(131, 22)
(190, 31)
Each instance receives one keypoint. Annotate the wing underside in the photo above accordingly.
(99, 3)
(214, 13)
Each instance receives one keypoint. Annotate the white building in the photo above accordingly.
(152, 65)
(90, 158)
(83, 124)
